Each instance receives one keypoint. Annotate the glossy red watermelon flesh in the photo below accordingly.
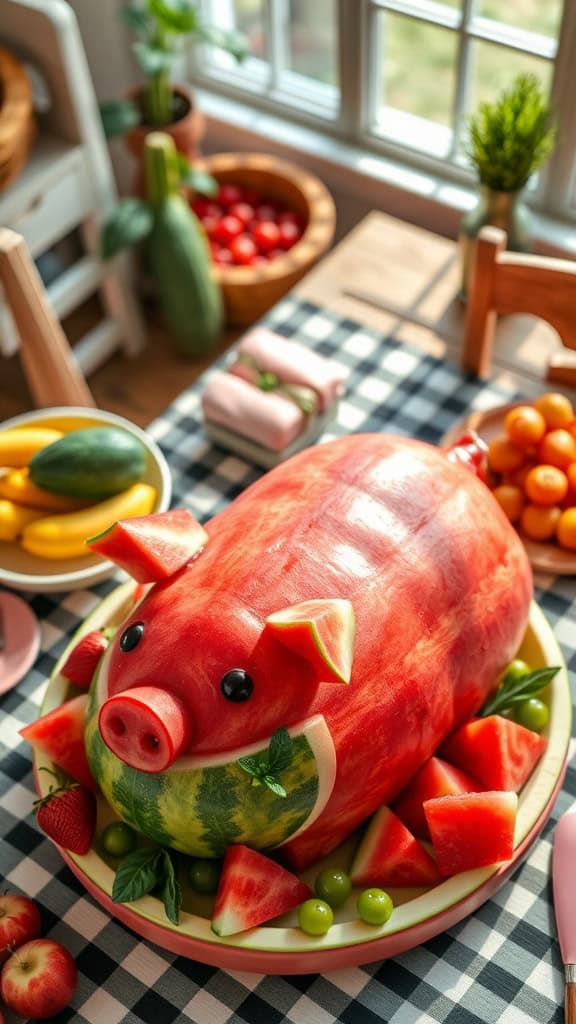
(439, 583)
(472, 830)
(151, 548)
(497, 751)
(59, 735)
(389, 855)
(253, 889)
(435, 778)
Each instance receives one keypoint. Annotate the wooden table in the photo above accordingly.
(402, 280)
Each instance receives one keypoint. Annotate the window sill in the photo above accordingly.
(360, 179)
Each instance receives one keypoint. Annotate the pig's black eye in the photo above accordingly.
(131, 636)
(237, 685)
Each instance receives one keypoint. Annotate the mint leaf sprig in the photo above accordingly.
(265, 767)
(143, 871)
(516, 691)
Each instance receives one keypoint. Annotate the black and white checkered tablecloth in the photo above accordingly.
(500, 965)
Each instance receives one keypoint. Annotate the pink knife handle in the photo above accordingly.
(563, 871)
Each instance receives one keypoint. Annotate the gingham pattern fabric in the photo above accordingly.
(502, 964)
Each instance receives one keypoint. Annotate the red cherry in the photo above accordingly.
(265, 211)
(244, 212)
(289, 234)
(243, 249)
(227, 229)
(229, 194)
(222, 256)
(289, 217)
(266, 234)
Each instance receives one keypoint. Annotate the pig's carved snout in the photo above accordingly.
(146, 727)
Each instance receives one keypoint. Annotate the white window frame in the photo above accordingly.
(297, 102)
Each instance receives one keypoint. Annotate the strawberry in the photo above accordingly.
(82, 661)
(67, 814)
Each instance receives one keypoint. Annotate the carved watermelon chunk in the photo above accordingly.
(253, 889)
(498, 752)
(472, 830)
(59, 735)
(390, 855)
(435, 778)
(322, 631)
(151, 548)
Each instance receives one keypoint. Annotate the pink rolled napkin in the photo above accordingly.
(272, 390)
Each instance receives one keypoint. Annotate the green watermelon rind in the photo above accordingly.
(221, 804)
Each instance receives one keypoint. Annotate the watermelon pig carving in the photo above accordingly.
(362, 598)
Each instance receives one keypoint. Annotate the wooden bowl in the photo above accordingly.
(250, 291)
(17, 122)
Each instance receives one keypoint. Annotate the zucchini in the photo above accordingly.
(178, 255)
(93, 463)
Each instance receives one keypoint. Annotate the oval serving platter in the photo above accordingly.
(546, 557)
(280, 947)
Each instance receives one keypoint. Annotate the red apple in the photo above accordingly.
(39, 979)
(20, 921)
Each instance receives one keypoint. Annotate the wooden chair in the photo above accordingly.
(510, 282)
(51, 371)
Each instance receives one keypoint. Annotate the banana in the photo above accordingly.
(18, 487)
(64, 536)
(13, 518)
(18, 445)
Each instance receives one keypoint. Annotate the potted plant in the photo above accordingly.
(508, 141)
(162, 28)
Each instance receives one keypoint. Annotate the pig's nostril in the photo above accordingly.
(116, 725)
(150, 743)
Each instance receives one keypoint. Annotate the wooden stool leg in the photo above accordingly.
(480, 315)
(51, 371)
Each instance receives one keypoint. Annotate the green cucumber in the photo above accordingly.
(94, 463)
(178, 254)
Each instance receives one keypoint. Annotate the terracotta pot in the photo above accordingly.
(187, 132)
(505, 210)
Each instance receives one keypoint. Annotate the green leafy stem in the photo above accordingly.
(150, 869)
(517, 690)
(265, 767)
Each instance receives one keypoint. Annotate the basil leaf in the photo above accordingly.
(199, 181)
(250, 765)
(138, 874)
(274, 785)
(118, 116)
(152, 59)
(130, 222)
(280, 751)
(179, 17)
(136, 18)
(170, 890)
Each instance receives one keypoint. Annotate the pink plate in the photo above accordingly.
(21, 637)
(280, 947)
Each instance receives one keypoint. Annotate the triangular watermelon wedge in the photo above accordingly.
(151, 548)
(323, 632)
(59, 735)
(497, 751)
(390, 855)
(253, 889)
(435, 778)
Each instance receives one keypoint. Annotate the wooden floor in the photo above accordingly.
(138, 388)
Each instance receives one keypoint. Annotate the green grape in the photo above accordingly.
(333, 885)
(315, 917)
(516, 670)
(374, 906)
(118, 839)
(204, 875)
(532, 714)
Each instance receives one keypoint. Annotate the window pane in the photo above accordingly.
(541, 16)
(418, 68)
(312, 39)
(495, 67)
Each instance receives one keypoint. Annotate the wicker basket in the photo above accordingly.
(17, 122)
(250, 291)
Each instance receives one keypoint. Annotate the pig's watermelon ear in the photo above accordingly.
(151, 548)
(322, 631)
